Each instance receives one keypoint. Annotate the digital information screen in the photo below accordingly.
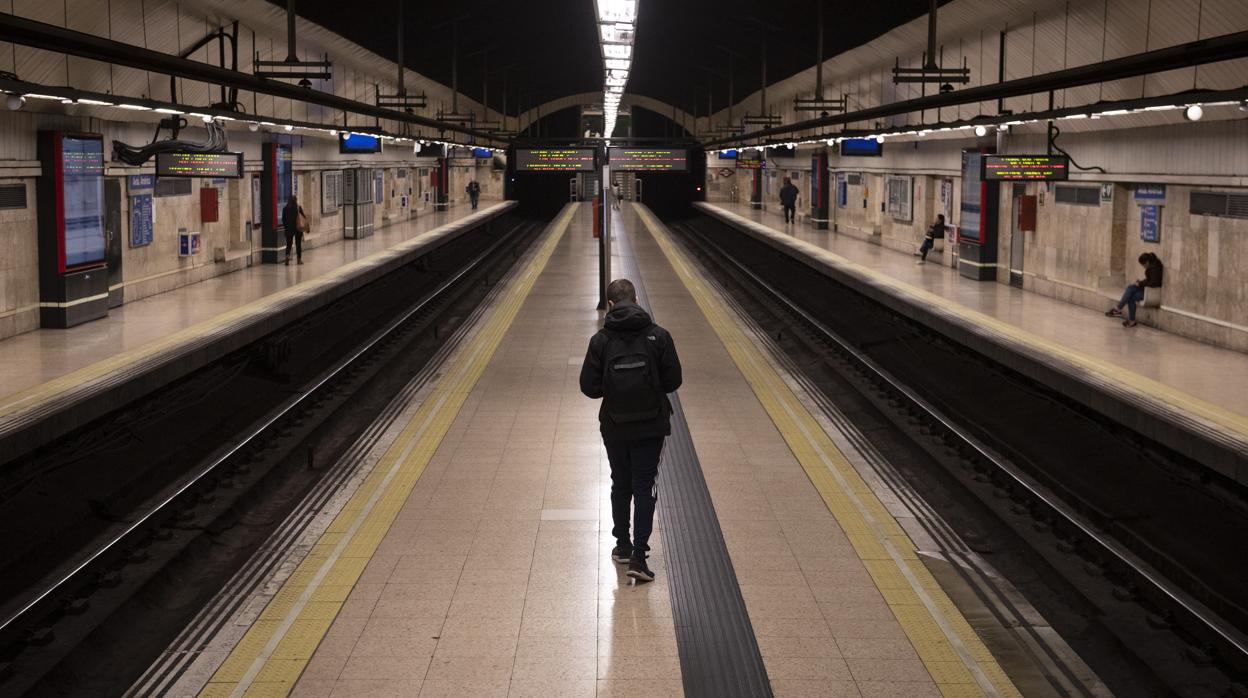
(82, 170)
(199, 165)
(650, 159)
(862, 147)
(554, 160)
(359, 143)
(751, 161)
(1040, 168)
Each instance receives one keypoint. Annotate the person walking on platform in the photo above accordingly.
(474, 193)
(618, 194)
(632, 365)
(934, 233)
(1134, 293)
(788, 200)
(296, 224)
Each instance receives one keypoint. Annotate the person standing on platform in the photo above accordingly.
(934, 233)
(788, 200)
(474, 193)
(617, 195)
(1134, 293)
(632, 365)
(296, 224)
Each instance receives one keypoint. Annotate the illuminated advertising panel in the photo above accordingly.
(650, 159)
(199, 165)
(82, 200)
(1039, 168)
(554, 160)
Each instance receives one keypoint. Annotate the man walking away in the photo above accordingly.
(474, 193)
(788, 199)
(617, 194)
(295, 224)
(632, 365)
(1134, 293)
(934, 233)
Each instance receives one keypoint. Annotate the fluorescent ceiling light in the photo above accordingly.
(617, 10)
(617, 51)
(35, 96)
(98, 102)
(616, 33)
(617, 63)
(166, 110)
(134, 107)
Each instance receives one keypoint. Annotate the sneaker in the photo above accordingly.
(1129, 323)
(637, 569)
(1113, 312)
(300, 261)
(622, 554)
(921, 261)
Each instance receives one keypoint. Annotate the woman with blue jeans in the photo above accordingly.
(1134, 293)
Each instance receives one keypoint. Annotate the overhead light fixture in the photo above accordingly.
(166, 110)
(617, 51)
(134, 107)
(95, 102)
(289, 127)
(1194, 112)
(617, 25)
(879, 138)
(618, 63)
(14, 102)
(981, 131)
(1003, 128)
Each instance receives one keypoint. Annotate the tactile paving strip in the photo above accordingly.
(719, 654)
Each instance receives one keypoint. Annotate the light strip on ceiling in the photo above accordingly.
(617, 25)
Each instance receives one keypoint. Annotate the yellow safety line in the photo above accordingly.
(39, 393)
(957, 660)
(1149, 387)
(274, 651)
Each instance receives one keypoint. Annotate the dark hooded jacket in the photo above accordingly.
(1153, 269)
(627, 318)
(788, 194)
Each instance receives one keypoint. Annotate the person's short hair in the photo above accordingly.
(1143, 258)
(621, 291)
(787, 180)
(940, 217)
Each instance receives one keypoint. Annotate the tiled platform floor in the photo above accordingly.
(494, 579)
(34, 358)
(1215, 375)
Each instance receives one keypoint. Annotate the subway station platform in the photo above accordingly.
(148, 343)
(469, 554)
(1191, 396)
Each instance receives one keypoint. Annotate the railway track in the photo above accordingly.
(68, 624)
(1183, 629)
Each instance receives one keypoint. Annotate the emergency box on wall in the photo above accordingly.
(208, 209)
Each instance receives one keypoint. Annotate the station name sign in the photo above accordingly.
(1037, 168)
(650, 159)
(554, 160)
(199, 165)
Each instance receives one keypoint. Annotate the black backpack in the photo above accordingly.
(630, 381)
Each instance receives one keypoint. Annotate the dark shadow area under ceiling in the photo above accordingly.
(549, 49)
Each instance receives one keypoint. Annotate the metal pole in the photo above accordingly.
(401, 90)
(485, 84)
(931, 36)
(819, 51)
(455, 66)
(763, 94)
(290, 31)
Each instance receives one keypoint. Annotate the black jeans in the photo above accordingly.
(474, 198)
(634, 466)
(297, 240)
(790, 212)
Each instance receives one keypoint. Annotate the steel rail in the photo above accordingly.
(281, 411)
(1211, 50)
(28, 32)
(1228, 634)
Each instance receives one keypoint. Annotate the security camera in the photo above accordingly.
(15, 102)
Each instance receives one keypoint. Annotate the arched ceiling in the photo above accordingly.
(549, 49)
(583, 98)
